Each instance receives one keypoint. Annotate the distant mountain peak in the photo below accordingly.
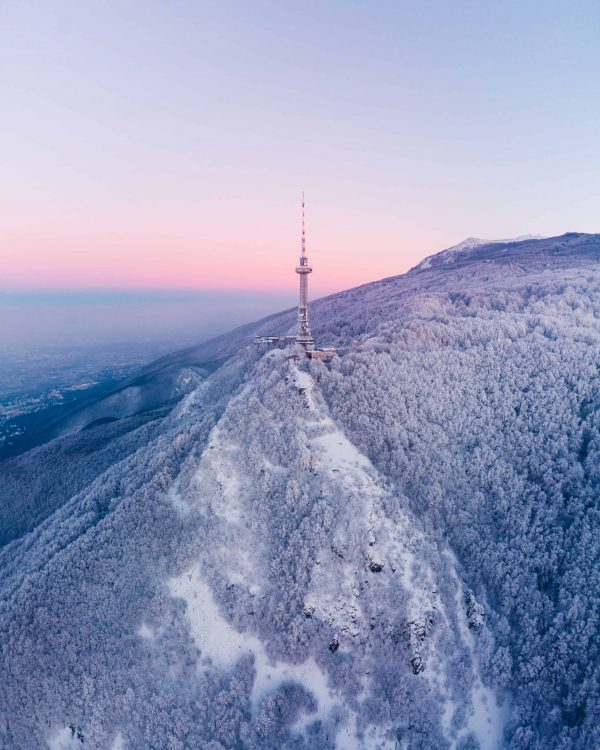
(447, 255)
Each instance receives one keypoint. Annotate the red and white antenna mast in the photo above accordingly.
(304, 336)
(303, 229)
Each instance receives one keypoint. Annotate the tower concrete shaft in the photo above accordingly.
(304, 336)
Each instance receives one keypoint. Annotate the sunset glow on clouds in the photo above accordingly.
(165, 146)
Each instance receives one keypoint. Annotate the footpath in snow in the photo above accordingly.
(343, 588)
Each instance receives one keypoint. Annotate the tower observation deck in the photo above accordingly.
(304, 337)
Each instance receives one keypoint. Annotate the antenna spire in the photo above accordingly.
(303, 229)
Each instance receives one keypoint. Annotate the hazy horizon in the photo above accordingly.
(89, 318)
(164, 319)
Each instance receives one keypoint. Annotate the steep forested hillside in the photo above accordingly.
(394, 549)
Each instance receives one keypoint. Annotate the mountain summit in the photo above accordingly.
(391, 549)
(446, 256)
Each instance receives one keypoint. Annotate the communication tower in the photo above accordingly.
(304, 337)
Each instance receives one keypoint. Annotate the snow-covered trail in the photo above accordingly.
(374, 569)
(391, 548)
(384, 543)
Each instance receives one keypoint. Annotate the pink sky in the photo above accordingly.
(205, 247)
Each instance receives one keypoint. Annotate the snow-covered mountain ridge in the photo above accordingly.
(447, 255)
(395, 549)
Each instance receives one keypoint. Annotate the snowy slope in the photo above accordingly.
(390, 550)
(447, 256)
(355, 603)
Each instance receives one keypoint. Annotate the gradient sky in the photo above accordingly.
(164, 145)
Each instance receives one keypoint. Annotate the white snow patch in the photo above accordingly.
(63, 739)
(218, 491)
(487, 719)
(192, 402)
(222, 645)
(218, 641)
(373, 738)
(218, 465)
(146, 632)
(217, 484)
(240, 569)
(269, 675)
(340, 454)
(304, 382)
(177, 501)
(346, 738)
(66, 739)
